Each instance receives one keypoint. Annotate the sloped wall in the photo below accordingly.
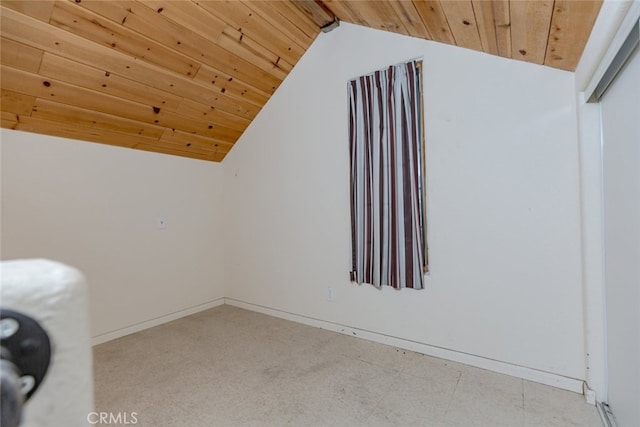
(503, 208)
(95, 207)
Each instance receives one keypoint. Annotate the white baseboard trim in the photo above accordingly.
(523, 372)
(102, 338)
(589, 395)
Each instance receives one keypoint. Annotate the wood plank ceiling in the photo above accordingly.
(187, 77)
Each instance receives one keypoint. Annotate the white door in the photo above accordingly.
(621, 169)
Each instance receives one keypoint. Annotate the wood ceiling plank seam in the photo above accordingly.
(483, 11)
(317, 12)
(344, 11)
(188, 15)
(271, 36)
(530, 22)
(558, 21)
(40, 10)
(50, 71)
(294, 24)
(56, 111)
(571, 25)
(111, 137)
(37, 34)
(16, 102)
(20, 55)
(209, 126)
(549, 30)
(8, 120)
(197, 126)
(179, 148)
(218, 132)
(41, 87)
(236, 106)
(241, 45)
(435, 21)
(142, 20)
(35, 85)
(462, 22)
(262, 21)
(502, 18)
(78, 19)
(187, 142)
(89, 77)
(258, 49)
(291, 13)
(391, 19)
(407, 13)
(245, 20)
(224, 83)
(186, 146)
(196, 109)
(196, 141)
(217, 82)
(185, 15)
(57, 67)
(379, 15)
(52, 39)
(230, 126)
(73, 131)
(238, 68)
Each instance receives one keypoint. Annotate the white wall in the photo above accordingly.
(95, 206)
(503, 205)
(621, 172)
(609, 32)
(270, 226)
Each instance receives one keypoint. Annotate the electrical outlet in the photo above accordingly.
(330, 294)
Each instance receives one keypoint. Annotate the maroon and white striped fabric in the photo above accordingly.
(387, 205)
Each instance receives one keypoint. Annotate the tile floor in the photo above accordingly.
(232, 367)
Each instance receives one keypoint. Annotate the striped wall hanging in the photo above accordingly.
(388, 221)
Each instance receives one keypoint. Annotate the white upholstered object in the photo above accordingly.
(55, 295)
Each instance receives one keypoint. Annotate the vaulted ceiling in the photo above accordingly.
(187, 77)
